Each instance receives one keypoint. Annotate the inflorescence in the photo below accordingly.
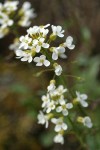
(12, 16)
(38, 45)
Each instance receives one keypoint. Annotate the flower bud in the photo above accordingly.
(53, 37)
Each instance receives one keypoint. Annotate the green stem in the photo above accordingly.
(76, 133)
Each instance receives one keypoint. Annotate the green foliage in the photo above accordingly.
(88, 69)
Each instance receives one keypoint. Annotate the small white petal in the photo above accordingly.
(46, 63)
(57, 128)
(63, 56)
(54, 56)
(36, 59)
(69, 105)
(71, 47)
(59, 109)
(42, 57)
(39, 64)
(65, 112)
(54, 120)
(84, 96)
(30, 59)
(45, 45)
(38, 48)
(84, 104)
(48, 110)
(60, 35)
(64, 126)
(24, 59)
(62, 101)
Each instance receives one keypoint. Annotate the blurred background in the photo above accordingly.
(21, 90)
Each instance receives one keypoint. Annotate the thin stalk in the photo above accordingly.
(76, 133)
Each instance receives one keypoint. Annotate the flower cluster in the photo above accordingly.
(37, 46)
(55, 105)
(56, 109)
(8, 17)
(26, 13)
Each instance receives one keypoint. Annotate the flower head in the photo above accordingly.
(86, 121)
(64, 108)
(60, 125)
(25, 41)
(50, 106)
(41, 61)
(57, 31)
(26, 13)
(24, 56)
(43, 119)
(52, 86)
(81, 98)
(46, 100)
(68, 43)
(39, 43)
(58, 69)
(59, 138)
(58, 52)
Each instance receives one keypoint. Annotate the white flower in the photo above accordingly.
(50, 106)
(81, 98)
(61, 100)
(24, 56)
(43, 27)
(58, 69)
(40, 30)
(46, 100)
(43, 119)
(40, 43)
(33, 30)
(41, 61)
(5, 21)
(43, 30)
(64, 108)
(87, 122)
(59, 138)
(57, 31)
(55, 96)
(69, 42)
(52, 86)
(26, 5)
(59, 51)
(27, 14)
(11, 6)
(60, 125)
(61, 89)
(25, 41)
